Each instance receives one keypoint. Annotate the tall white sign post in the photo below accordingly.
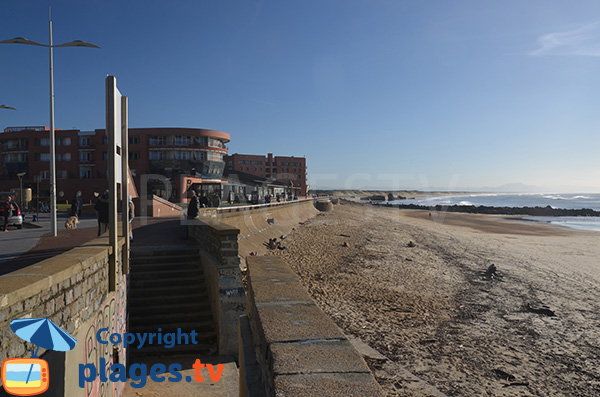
(117, 134)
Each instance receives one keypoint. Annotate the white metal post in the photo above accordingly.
(52, 148)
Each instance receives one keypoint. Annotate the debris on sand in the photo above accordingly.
(345, 244)
(544, 310)
(490, 273)
(411, 244)
(504, 375)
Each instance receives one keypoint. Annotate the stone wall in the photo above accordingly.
(218, 244)
(291, 344)
(72, 290)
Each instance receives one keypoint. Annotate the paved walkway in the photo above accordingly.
(227, 386)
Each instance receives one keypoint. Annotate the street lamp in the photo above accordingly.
(76, 43)
(21, 175)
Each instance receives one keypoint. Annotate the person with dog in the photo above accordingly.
(76, 206)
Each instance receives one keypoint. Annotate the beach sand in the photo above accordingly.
(443, 326)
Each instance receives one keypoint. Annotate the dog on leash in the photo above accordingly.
(71, 222)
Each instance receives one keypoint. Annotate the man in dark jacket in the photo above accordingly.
(101, 208)
(192, 212)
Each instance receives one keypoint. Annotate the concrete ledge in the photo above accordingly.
(320, 385)
(299, 349)
(31, 280)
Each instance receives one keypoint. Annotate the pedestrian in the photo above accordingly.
(131, 208)
(204, 201)
(75, 207)
(7, 206)
(80, 204)
(192, 212)
(101, 208)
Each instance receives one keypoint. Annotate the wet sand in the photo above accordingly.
(533, 330)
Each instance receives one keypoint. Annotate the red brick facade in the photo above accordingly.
(81, 157)
(284, 169)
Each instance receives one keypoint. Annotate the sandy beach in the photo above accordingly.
(428, 307)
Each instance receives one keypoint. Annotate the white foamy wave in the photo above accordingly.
(554, 197)
(580, 197)
(465, 203)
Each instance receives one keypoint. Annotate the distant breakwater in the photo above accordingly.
(482, 209)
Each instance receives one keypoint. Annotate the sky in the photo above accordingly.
(376, 94)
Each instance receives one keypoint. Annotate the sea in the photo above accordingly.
(555, 200)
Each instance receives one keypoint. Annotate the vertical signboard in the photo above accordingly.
(116, 132)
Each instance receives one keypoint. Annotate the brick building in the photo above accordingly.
(81, 159)
(283, 169)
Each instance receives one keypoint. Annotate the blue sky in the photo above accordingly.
(376, 94)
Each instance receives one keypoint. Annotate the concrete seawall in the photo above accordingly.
(257, 224)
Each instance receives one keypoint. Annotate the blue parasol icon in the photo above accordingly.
(43, 332)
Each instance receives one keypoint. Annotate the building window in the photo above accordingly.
(42, 142)
(42, 157)
(182, 140)
(63, 141)
(156, 155)
(105, 140)
(62, 156)
(85, 172)
(45, 174)
(61, 174)
(134, 155)
(15, 157)
(85, 156)
(85, 141)
(182, 155)
(134, 140)
(16, 144)
(158, 140)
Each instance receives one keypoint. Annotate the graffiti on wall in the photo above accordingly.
(112, 316)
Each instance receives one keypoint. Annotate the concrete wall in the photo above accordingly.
(155, 207)
(218, 243)
(258, 223)
(291, 344)
(72, 290)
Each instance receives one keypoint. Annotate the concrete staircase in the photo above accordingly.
(167, 291)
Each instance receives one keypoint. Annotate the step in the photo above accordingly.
(167, 291)
(177, 282)
(153, 299)
(203, 326)
(165, 266)
(140, 274)
(164, 258)
(164, 252)
(156, 309)
(204, 348)
(178, 317)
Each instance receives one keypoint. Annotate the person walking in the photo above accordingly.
(7, 206)
(192, 212)
(101, 208)
(76, 207)
(131, 210)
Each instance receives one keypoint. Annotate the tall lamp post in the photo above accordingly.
(76, 43)
(21, 175)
